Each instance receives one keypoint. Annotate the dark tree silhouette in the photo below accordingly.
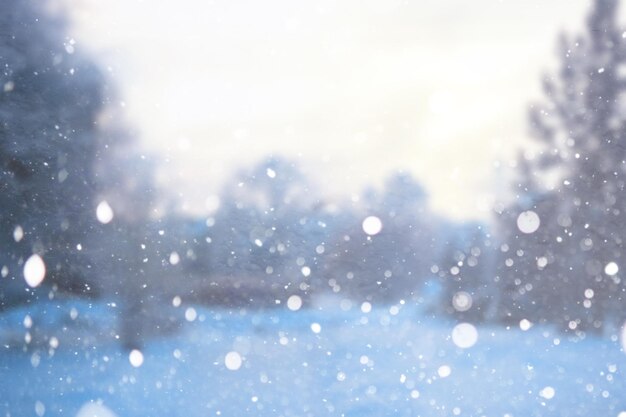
(50, 98)
(557, 274)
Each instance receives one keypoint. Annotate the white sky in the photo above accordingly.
(352, 89)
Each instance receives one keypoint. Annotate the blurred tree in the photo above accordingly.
(391, 264)
(266, 229)
(64, 152)
(50, 98)
(581, 128)
(466, 272)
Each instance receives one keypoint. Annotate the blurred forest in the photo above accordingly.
(78, 194)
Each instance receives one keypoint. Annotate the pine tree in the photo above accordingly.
(581, 126)
(50, 96)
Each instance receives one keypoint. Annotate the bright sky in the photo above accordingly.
(353, 89)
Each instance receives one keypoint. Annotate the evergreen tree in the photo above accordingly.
(558, 272)
(50, 97)
(63, 152)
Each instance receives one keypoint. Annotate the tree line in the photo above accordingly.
(551, 254)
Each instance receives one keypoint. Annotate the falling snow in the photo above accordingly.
(444, 371)
(233, 361)
(34, 271)
(214, 275)
(462, 301)
(104, 212)
(611, 269)
(372, 225)
(316, 328)
(294, 303)
(547, 393)
(464, 335)
(528, 222)
(135, 357)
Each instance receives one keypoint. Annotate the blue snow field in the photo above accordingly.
(386, 362)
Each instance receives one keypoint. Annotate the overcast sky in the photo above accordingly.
(354, 90)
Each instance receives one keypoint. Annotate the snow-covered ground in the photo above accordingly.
(327, 360)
